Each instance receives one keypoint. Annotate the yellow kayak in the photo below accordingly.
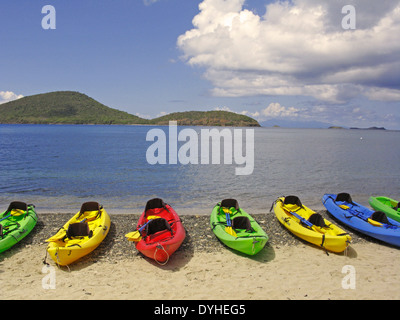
(309, 225)
(80, 235)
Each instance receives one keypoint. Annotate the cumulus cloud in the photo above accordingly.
(6, 96)
(275, 110)
(350, 115)
(297, 47)
(383, 94)
(255, 114)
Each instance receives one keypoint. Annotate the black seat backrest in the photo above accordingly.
(80, 229)
(344, 197)
(379, 216)
(156, 225)
(398, 206)
(154, 203)
(292, 200)
(242, 223)
(317, 220)
(17, 205)
(229, 203)
(90, 206)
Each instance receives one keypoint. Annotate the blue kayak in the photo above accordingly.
(372, 223)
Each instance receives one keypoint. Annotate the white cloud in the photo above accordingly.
(275, 110)
(162, 113)
(141, 115)
(297, 48)
(383, 94)
(6, 96)
(341, 115)
(251, 114)
(224, 108)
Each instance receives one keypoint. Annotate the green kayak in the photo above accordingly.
(236, 228)
(16, 223)
(389, 206)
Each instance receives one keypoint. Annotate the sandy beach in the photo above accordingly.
(203, 269)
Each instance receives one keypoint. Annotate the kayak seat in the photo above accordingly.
(398, 206)
(318, 220)
(157, 225)
(292, 200)
(242, 223)
(17, 205)
(229, 203)
(344, 197)
(380, 216)
(79, 229)
(1, 230)
(154, 204)
(91, 206)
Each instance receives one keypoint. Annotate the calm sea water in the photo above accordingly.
(58, 167)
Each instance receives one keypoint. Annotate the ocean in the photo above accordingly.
(58, 167)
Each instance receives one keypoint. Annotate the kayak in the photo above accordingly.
(236, 228)
(387, 205)
(80, 235)
(374, 224)
(309, 225)
(16, 223)
(159, 231)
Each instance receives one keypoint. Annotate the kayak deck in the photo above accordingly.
(246, 236)
(309, 225)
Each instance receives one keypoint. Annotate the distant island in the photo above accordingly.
(69, 107)
(371, 128)
(354, 128)
(336, 127)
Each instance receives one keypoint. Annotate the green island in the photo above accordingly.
(336, 127)
(68, 107)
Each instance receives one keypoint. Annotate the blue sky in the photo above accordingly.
(291, 61)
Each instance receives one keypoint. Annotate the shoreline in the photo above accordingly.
(194, 125)
(199, 235)
(137, 208)
(202, 268)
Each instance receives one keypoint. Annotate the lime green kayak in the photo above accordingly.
(389, 206)
(236, 228)
(16, 223)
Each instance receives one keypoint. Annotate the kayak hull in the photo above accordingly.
(65, 251)
(330, 238)
(358, 217)
(162, 244)
(249, 243)
(386, 205)
(16, 228)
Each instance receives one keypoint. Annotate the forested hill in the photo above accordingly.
(207, 118)
(63, 107)
(68, 107)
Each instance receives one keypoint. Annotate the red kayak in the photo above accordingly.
(161, 230)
